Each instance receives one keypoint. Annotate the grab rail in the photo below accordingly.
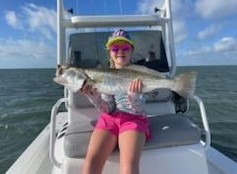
(54, 112)
(113, 21)
(204, 121)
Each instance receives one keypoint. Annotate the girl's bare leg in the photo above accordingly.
(101, 145)
(131, 145)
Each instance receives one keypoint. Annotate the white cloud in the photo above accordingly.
(182, 9)
(209, 32)
(214, 9)
(225, 46)
(34, 49)
(26, 54)
(177, 6)
(12, 19)
(179, 24)
(147, 6)
(27, 50)
(34, 18)
(188, 22)
(199, 51)
(180, 31)
(41, 19)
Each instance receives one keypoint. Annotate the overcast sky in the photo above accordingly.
(205, 30)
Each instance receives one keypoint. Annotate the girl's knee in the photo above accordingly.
(131, 167)
(129, 170)
(92, 166)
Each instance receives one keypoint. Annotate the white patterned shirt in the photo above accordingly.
(132, 103)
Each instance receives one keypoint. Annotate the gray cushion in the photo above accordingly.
(79, 100)
(172, 130)
(167, 130)
(158, 95)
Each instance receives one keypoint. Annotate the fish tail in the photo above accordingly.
(185, 84)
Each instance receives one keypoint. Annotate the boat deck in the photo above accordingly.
(217, 162)
(213, 170)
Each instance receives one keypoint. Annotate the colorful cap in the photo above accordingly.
(119, 35)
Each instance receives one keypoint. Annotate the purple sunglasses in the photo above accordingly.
(123, 47)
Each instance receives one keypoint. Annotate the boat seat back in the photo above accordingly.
(78, 101)
(166, 131)
(158, 102)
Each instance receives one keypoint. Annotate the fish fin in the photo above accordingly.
(146, 70)
(185, 84)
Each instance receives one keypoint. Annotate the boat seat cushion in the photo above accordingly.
(160, 95)
(157, 101)
(166, 131)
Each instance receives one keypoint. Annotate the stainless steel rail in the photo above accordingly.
(54, 113)
(204, 121)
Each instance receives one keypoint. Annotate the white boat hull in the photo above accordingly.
(35, 159)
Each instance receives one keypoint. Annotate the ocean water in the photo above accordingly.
(27, 96)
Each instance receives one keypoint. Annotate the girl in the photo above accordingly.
(123, 121)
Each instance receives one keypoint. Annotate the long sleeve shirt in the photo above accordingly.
(131, 102)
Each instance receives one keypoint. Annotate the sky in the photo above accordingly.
(205, 31)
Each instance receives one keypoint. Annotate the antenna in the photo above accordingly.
(77, 11)
(120, 7)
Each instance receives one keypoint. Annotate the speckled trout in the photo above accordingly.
(114, 81)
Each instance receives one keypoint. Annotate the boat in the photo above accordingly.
(178, 145)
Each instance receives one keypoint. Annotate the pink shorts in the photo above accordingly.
(119, 122)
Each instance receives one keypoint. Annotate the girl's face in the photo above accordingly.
(121, 53)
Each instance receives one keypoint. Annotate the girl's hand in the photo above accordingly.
(88, 90)
(135, 86)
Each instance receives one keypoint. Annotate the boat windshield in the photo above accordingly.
(87, 50)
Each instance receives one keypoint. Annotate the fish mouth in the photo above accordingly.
(59, 80)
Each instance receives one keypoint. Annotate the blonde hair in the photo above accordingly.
(111, 63)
